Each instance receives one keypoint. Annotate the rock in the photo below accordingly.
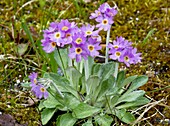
(8, 120)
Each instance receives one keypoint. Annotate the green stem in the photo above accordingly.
(69, 60)
(108, 104)
(62, 62)
(86, 69)
(81, 66)
(58, 91)
(107, 42)
(116, 69)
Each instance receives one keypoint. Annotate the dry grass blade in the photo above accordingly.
(151, 105)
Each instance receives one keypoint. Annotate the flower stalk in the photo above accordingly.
(107, 49)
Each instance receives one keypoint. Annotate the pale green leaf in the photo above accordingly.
(84, 110)
(139, 81)
(138, 102)
(51, 102)
(22, 48)
(124, 116)
(120, 78)
(47, 114)
(74, 76)
(132, 96)
(127, 81)
(92, 83)
(61, 57)
(88, 123)
(66, 120)
(103, 120)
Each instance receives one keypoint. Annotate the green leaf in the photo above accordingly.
(62, 83)
(90, 64)
(66, 120)
(124, 116)
(107, 70)
(127, 81)
(41, 105)
(120, 78)
(53, 63)
(92, 83)
(26, 85)
(46, 115)
(27, 31)
(51, 102)
(71, 101)
(96, 69)
(148, 35)
(84, 110)
(103, 120)
(138, 102)
(22, 48)
(105, 86)
(132, 96)
(74, 76)
(42, 3)
(61, 57)
(139, 81)
(88, 123)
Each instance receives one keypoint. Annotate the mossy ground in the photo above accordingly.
(19, 57)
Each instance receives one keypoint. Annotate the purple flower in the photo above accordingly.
(120, 42)
(79, 38)
(40, 91)
(48, 45)
(111, 12)
(115, 54)
(95, 15)
(137, 56)
(127, 57)
(93, 47)
(87, 30)
(77, 51)
(123, 51)
(36, 87)
(56, 37)
(105, 22)
(104, 7)
(53, 28)
(64, 25)
(33, 78)
(104, 15)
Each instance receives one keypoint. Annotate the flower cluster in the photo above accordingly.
(58, 34)
(123, 51)
(36, 87)
(104, 16)
(83, 41)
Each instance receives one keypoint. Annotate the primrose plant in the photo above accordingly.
(85, 92)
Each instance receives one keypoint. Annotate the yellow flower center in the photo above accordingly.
(91, 48)
(35, 81)
(98, 13)
(65, 28)
(68, 35)
(105, 21)
(57, 35)
(116, 46)
(53, 44)
(78, 50)
(88, 32)
(42, 89)
(78, 40)
(126, 58)
(118, 53)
